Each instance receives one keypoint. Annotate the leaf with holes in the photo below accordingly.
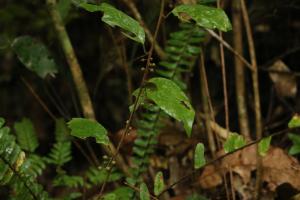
(83, 128)
(168, 96)
(233, 142)
(144, 192)
(115, 17)
(26, 135)
(204, 16)
(264, 145)
(35, 56)
(199, 159)
(159, 184)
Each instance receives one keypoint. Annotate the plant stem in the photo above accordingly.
(258, 123)
(79, 81)
(206, 107)
(149, 35)
(240, 71)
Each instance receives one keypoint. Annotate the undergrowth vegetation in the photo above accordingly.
(168, 146)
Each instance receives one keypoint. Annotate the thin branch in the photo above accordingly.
(135, 105)
(151, 38)
(183, 178)
(258, 123)
(240, 71)
(239, 56)
(79, 81)
(206, 107)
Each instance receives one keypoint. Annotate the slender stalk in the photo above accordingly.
(206, 107)
(240, 71)
(135, 105)
(79, 81)
(258, 123)
(130, 4)
(226, 45)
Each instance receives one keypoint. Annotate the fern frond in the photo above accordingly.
(14, 170)
(26, 135)
(68, 181)
(62, 132)
(97, 176)
(60, 154)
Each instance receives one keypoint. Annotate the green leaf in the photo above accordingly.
(144, 192)
(115, 17)
(264, 145)
(110, 196)
(171, 99)
(60, 154)
(294, 122)
(62, 132)
(159, 184)
(295, 149)
(199, 159)
(233, 142)
(26, 135)
(35, 56)
(204, 16)
(83, 128)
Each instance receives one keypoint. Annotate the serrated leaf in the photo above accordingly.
(115, 17)
(264, 145)
(233, 142)
(83, 128)
(60, 153)
(295, 149)
(26, 135)
(171, 99)
(199, 158)
(144, 192)
(159, 184)
(294, 122)
(204, 16)
(35, 56)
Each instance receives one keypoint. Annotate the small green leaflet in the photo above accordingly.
(26, 135)
(204, 16)
(294, 122)
(295, 138)
(144, 192)
(168, 96)
(115, 17)
(233, 142)
(264, 145)
(83, 128)
(199, 159)
(110, 196)
(159, 184)
(35, 56)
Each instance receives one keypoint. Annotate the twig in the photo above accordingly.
(37, 97)
(239, 56)
(206, 107)
(240, 71)
(138, 190)
(183, 178)
(258, 123)
(151, 38)
(135, 105)
(79, 81)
